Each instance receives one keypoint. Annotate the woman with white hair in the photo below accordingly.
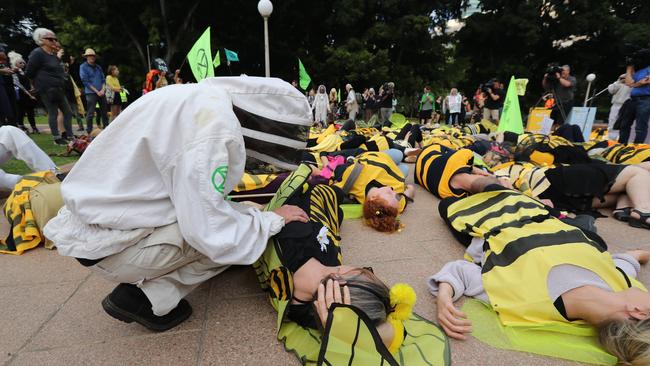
(453, 102)
(46, 72)
(26, 102)
(321, 106)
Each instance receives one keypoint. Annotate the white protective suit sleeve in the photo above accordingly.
(226, 232)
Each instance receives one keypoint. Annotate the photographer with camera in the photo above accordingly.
(559, 81)
(639, 81)
(494, 98)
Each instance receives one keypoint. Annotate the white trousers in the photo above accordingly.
(612, 134)
(163, 265)
(15, 143)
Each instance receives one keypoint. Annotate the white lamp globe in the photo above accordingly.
(591, 77)
(265, 8)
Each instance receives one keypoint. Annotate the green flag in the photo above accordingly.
(338, 96)
(303, 75)
(511, 116)
(231, 55)
(217, 60)
(200, 56)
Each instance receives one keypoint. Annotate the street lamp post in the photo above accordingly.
(590, 78)
(266, 8)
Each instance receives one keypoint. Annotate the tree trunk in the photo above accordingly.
(136, 44)
(172, 43)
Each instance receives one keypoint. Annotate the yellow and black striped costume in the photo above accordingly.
(627, 154)
(377, 143)
(523, 242)
(483, 127)
(251, 182)
(525, 177)
(437, 164)
(25, 233)
(377, 166)
(349, 337)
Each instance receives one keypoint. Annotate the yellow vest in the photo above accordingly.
(523, 243)
(376, 166)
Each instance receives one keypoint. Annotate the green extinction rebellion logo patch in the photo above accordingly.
(219, 178)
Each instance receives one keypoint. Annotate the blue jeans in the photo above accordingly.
(91, 101)
(642, 114)
(397, 157)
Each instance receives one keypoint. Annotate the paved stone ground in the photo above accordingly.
(52, 313)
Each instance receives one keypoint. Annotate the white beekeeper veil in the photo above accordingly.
(274, 116)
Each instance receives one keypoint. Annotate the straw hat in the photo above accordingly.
(89, 52)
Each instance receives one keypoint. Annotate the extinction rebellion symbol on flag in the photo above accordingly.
(219, 178)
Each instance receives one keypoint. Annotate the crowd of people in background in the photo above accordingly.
(53, 79)
(66, 89)
(376, 108)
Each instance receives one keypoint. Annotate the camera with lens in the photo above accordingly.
(552, 71)
(485, 88)
(640, 59)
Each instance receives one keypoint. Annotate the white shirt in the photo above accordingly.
(619, 91)
(171, 157)
(454, 102)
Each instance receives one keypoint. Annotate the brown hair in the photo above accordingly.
(380, 216)
(110, 69)
(627, 340)
(367, 292)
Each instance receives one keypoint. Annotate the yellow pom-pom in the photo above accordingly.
(402, 298)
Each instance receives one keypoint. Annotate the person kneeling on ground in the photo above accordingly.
(574, 281)
(150, 212)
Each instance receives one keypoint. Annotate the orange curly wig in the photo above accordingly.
(380, 215)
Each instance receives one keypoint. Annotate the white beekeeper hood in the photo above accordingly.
(275, 117)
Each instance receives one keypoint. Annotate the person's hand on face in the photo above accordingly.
(292, 213)
(329, 294)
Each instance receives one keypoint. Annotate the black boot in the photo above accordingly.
(128, 303)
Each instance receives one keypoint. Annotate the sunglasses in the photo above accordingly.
(52, 39)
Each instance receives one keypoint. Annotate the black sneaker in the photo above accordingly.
(128, 303)
(60, 141)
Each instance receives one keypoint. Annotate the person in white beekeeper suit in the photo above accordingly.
(145, 205)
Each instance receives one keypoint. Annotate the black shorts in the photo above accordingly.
(574, 187)
(426, 114)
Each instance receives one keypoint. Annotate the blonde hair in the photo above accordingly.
(628, 340)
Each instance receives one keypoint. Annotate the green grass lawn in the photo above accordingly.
(46, 143)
